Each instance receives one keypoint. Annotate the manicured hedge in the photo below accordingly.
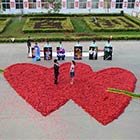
(65, 22)
(70, 15)
(120, 23)
(4, 23)
(74, 27)
(133, 19)
(75, 38)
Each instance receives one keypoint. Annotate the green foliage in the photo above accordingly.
(80, 25)
(48, 24)
(133, 19)
(14, 29)
(4, 23)
(72, 27)
(110, 24)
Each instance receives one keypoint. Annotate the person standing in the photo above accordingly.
(72, 71)
(93, 44)
(108, 44)
(29, 44)
(37, 52)
(47, 44)
(77, 44)
(56, 71)
(60, 45)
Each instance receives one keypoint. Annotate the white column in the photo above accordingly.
(38, 4)
(88, 4)
(12, 5)
(125, 4)
(0, 6)
(64, 4)
(101, 4)
(113, 4)
(137, 5)
(76, 4)
(25, 4)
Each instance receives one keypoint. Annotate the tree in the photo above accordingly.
(56, 6)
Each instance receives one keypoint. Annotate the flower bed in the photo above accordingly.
(34, 84)
(49, 24)
(4, 23)
(105, 23)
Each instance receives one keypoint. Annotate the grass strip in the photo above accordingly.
(1, 70)
(131, 94)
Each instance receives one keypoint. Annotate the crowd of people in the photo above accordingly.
(93, 54)
(47, 50)
(47, 56)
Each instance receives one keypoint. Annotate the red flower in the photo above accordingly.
(34, 83)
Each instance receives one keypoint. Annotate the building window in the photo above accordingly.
(119, 3)
(70, 4)
(6, 4)
(94, 3)
(82, 4)
(131, 3)
(32, 4)
(44, 4)
(19, 4)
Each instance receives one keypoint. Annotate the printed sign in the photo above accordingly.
(47, 53)
(107, 53)
(78, 52)
(93, 53)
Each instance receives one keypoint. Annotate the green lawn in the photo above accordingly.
(81, 31)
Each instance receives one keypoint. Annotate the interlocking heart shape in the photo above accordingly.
(34, 84)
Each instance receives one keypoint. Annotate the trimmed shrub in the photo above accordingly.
(4, 22)
(111, 24)
(49, 24)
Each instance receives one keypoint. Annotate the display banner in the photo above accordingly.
(93, 53)
(47, 53)
(60, 53)
(78, 52)
(108, 53)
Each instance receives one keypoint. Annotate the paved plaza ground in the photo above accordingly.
(19, 121)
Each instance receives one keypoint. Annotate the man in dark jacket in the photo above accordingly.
(56, 71)
(29, 44)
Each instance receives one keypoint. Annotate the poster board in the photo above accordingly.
(78, 52)
(47, 53)
(93, 53)
(60, 53)
(108, 53)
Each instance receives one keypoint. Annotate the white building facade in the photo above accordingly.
(70, 6)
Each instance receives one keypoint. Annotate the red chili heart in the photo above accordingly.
(94, 98)
(35, 84)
